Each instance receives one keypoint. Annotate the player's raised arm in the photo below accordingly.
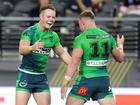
(26, 48)
(118, 52)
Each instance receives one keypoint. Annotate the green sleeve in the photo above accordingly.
(113, 43)
(25, 36)
(77, 43)
(57, 41)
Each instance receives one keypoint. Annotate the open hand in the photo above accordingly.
(120, 40)
(38, 45)
(63, 92)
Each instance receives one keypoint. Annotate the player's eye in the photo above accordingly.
(48, 16)
(53, 17)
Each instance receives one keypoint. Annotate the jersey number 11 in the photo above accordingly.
(96, 50)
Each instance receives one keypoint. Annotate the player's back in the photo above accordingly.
(96, 45)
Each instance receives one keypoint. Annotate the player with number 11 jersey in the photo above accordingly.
(97, 45)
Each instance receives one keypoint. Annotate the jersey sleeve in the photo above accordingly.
(113, 43)
(77, 43)
(25, 36)
(57, 40)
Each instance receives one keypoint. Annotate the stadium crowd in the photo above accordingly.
(70, 8)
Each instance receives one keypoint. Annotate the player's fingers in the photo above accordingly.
(62, 93)
(41, 45)
(41, 42)
(122, 37)
(62, 96)
(37, 41)
(118, 37)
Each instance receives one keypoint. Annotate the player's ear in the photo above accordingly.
(83, 23)
(40, 16)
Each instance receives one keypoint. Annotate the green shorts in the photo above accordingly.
(32, 83)
(94, 88)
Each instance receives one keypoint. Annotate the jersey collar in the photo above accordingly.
(40, 31)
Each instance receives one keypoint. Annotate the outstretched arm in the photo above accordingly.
(59, 50)
(71, 70)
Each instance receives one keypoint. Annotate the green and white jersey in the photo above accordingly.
(35, 62)
(96, 45)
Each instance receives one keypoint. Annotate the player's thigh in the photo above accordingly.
(74, 101)
(42, 98)
(22, 97)
(107, 101)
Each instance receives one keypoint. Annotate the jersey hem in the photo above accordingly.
(29, 72)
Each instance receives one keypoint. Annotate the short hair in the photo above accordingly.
(49, 6)
(87, 13)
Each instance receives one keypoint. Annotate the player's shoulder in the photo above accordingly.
(30, 30)
(54, 33)
(103, 31)
(79, 37)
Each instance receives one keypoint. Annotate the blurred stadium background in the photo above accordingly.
(116, 17)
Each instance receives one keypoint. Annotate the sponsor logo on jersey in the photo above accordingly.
(99, 36)
(43, 51)
(82, 90)
(96, 63)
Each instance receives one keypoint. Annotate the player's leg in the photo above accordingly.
(104, 94)
(80, 92)
(106, 101)
(42, 98)
(22, 89)
(41, 91)
(74, 101)
(22, 97)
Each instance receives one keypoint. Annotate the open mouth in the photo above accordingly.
(50, 22)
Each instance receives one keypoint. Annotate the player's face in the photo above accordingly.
(81, 24)
(84, 23)
(47, 17)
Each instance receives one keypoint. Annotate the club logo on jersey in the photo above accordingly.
(51, 39)
(43, 51)
(82, 90)
(23, 83)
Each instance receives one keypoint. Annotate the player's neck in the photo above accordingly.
(40, 25)
(90, 26)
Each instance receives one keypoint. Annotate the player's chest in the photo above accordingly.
(48, 40)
